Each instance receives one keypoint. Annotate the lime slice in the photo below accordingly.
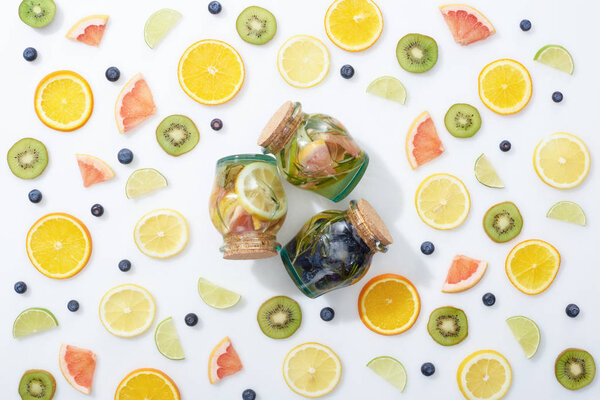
(555, 56)
(260, 191)
(216, 296)
(167, 341)
(526, 332)
(389, 369)
(389, 88)
(158, 25)
(486, 174)
(33, 320)
(143, 181)
(567, 211)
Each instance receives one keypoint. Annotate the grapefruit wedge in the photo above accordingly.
(223, 361)
(463, 274)
(134, 105)
(89, 30)
(93, 170)
(316, 159)
(77, 366)
(466, 24)
(422, 141)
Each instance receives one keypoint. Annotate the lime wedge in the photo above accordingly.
(526, 332)
(486, 174)
(158, 25)
(143, 181)
(567, 211)
(389, 88)
(216, 296)
(167, 341)
(555, 56)
(33, 320)
(389, 369)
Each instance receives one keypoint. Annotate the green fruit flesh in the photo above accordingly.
(256, 25)
(417, 53)
(462, 120)
(503, 222)
(575, 368)
(279, 317)
(37, 384)
(177, 134)
(448, 325)
(37, 13)
(27, 158)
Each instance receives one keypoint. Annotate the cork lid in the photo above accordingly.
(276, 124)
(249, 246)
(373, 222)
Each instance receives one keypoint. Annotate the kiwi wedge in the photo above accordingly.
(448, 325)
(417, 53)
(37, 384)
(279, 317)
(256, 25)
(503, 222)
(574, 368)
(462, 120)
(27, 158)
(37, 13)
(177, 134)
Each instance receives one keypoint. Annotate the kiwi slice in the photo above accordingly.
(503, 222)
(417, 53)
(27, 158)
(279, 317)
(177, 134)
(462, 120)
(37, 384)
(448, 325)
(575, 368)
(256, 25)
(37, 13)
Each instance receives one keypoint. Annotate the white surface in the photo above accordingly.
(379, 126)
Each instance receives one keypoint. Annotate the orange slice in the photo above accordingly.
(466, 24)
(147, 384)
(505, 86)
(93, 170)
(464, 273)
(223, 361)
(353, 25)
(532, 266)
(78, 366)
(422, 141)
(89, 30)
(134, 105)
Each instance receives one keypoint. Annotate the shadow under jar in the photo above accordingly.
(314, 151)
(248, 206)
(334, 248)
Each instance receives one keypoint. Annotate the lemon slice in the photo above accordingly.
(353, 25)
(484, 375)
(167, 340)
(532, 265)
(442, 201)
(389, 369)
(526, 332)
(33, 320)
(505, 86)
(161, 233)
(567, 211)
(159, 24)
(303, 61)
(562, 160)
(260, 191)
(312, 370)
(388, 88)
(216, 296)
(486, 174)
(127, 310)
(555, 56)
(143, 181)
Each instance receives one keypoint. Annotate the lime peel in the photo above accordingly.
(389, 88)
(389, 369)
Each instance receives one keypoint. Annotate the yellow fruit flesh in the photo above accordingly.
(312, 370)
(303, 61)
(563, 161)
(533, 267)
(505, 86)
(161, 233)
(485, 378)
(354, 24)
(127, 310)
(63, 101)
(147, 386)
(442, 202)
(390, 299)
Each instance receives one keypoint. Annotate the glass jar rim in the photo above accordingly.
(248, 157)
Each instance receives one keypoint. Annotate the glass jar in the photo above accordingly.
(248, 206)
(314, 151)
(334, 248)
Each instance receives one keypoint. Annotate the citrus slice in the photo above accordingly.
(211, 72)
(303, 61)
(555, 56)
(532, 265)
(159, 24)
(312, 370)
(161, 233)
(526, 332)
(562, 160)
(89, 30)
(315, 158)
(147, 384)
(484, 375)
(466, 24)
(260, 192)
(464, 273)
(486, 174)
(442, 201)
(388, 88)
(422, 141)
(216, 296)
(63, 101)
(78, 366)
(144, 181)
(134, 105)
(223, 361)
(567, 211)
(167, 341)
(127, 310)
(93, 170)
(505, 86)
(389, 369)
(59, 245)
(353, 25)
(33, 320)
(389, 304)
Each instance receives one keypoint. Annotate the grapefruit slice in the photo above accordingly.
(93, 170)
(134, 105)
(466, 23)
(463, 274)
(315, 159)
(77, 366)
(422, 141)
(223, 361)
(89, 30)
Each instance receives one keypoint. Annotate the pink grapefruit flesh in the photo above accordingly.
(134, 105)
(78, 366)
(93, 170)
(89, 30)
(463, 274)
(422, 142)
(466, 24)
(224, 361)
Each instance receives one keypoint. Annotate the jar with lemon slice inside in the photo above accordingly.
(248, 206)
(314, 151)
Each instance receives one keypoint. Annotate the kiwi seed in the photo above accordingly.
(177, 135)
(417, 53)
(256, 25)
(575, 368)
(503, 222)
(448, 325)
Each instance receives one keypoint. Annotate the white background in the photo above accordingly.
(389, 184)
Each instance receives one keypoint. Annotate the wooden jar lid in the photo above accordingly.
(275, 127)
(373, 222)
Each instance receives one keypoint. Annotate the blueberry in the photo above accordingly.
(321, 284)
(216, 124)
(572, 310)
(327, 314)
(214, 7)
(30, 54)
(125, 156)
(20, 287)
(73, 305)
(191, 319)
(97, 210)
(248, 394)
(557, 97)
(488, 299)
(505, 145)
(525, 25)
(427, 248)
(347, 71)
(124, 265)
(428, 369)
(35, 196)
(112, 74)
(308, 276)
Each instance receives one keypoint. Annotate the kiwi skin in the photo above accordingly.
(581, 357)
(453, 315)
(256, 25)
(415, 44)
(37, 20)
(462, 120)
(36, 150)
(507, 210)
(288, 313)
(180, 124)
(41, 375)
